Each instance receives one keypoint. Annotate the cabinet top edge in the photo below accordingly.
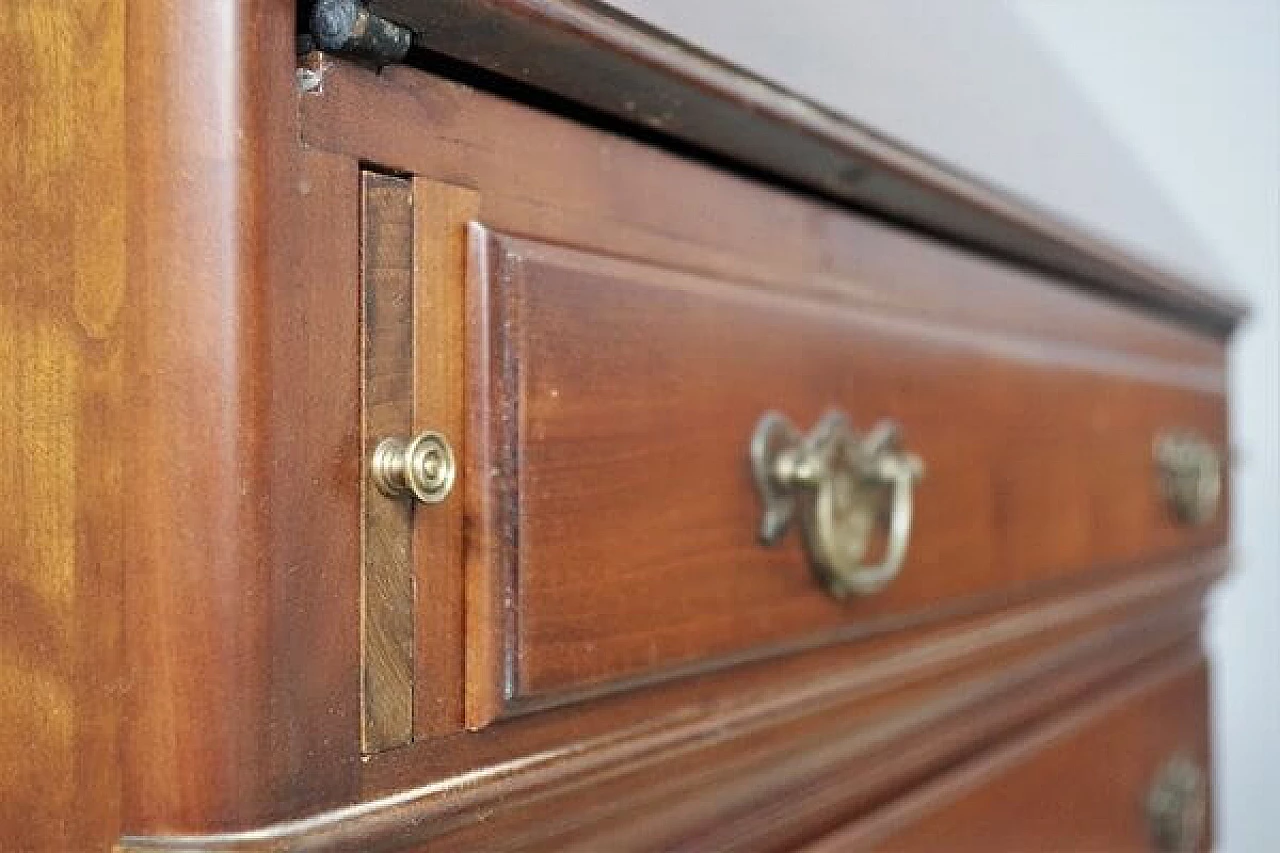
(645, 82)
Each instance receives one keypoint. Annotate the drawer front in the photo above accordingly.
(1127, 774)
(610, 483)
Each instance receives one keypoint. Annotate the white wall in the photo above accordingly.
(1154, 121)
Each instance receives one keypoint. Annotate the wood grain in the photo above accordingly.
(646, 221)
(414, 247)
(546, 177)
(623, 398)
(1112, 747)
(62, 415)
(387, 383)
(214, 737)
(654, 85)
(180, 323)
(753, 776)
(441, 214)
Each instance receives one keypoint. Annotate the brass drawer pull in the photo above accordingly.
(1190, 470)
(422, 467)
(1177, 806)
(841, 485)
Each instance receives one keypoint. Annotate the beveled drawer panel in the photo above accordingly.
(610, 478)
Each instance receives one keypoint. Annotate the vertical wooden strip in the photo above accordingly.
(387, 585)
(490, 469)
(441, 214)
(211, 240)
(315, 515)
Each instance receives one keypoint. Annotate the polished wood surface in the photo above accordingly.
(182, 343)
(237, 468)
(586, 54)
(770, 766)
(62, 414)
(1075, 785)
(622, 403)
(600, 191)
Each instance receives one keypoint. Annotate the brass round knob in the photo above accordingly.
(422, 467)
(1177, 806)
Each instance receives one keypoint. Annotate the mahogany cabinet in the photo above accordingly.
(497, 425)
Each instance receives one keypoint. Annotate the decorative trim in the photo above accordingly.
(971, 776)
(965, 711)
(650, 84)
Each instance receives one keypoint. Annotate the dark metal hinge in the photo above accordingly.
(347, 26)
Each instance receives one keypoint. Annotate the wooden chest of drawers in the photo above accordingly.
(554, 439)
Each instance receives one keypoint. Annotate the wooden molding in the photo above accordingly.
(917, 709)
(968, 778)
(650, 83)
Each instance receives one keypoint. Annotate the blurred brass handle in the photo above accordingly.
(1190, 470)
(841, 485)
(1177, 806)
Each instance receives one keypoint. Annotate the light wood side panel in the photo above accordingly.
(777, 765)
(62, 422)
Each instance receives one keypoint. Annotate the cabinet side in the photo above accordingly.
(62, 297)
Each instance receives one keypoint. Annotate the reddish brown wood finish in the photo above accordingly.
(768, 769)
(1078, 783)
(440, 403)
(595, 56)
(622, 399)
(63, 321)
(182, 620)
(241, 471)
(613, 199)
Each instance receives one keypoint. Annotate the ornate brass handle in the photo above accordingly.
(1190, 471)
(1177, 805)
(841, 485)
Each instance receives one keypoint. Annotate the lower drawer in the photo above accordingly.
(1127, 772)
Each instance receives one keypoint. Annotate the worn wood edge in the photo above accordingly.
(659, 86)
(387, 552)
(972, 775)
(511, 249)
(490, 496)
(1173, 600)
